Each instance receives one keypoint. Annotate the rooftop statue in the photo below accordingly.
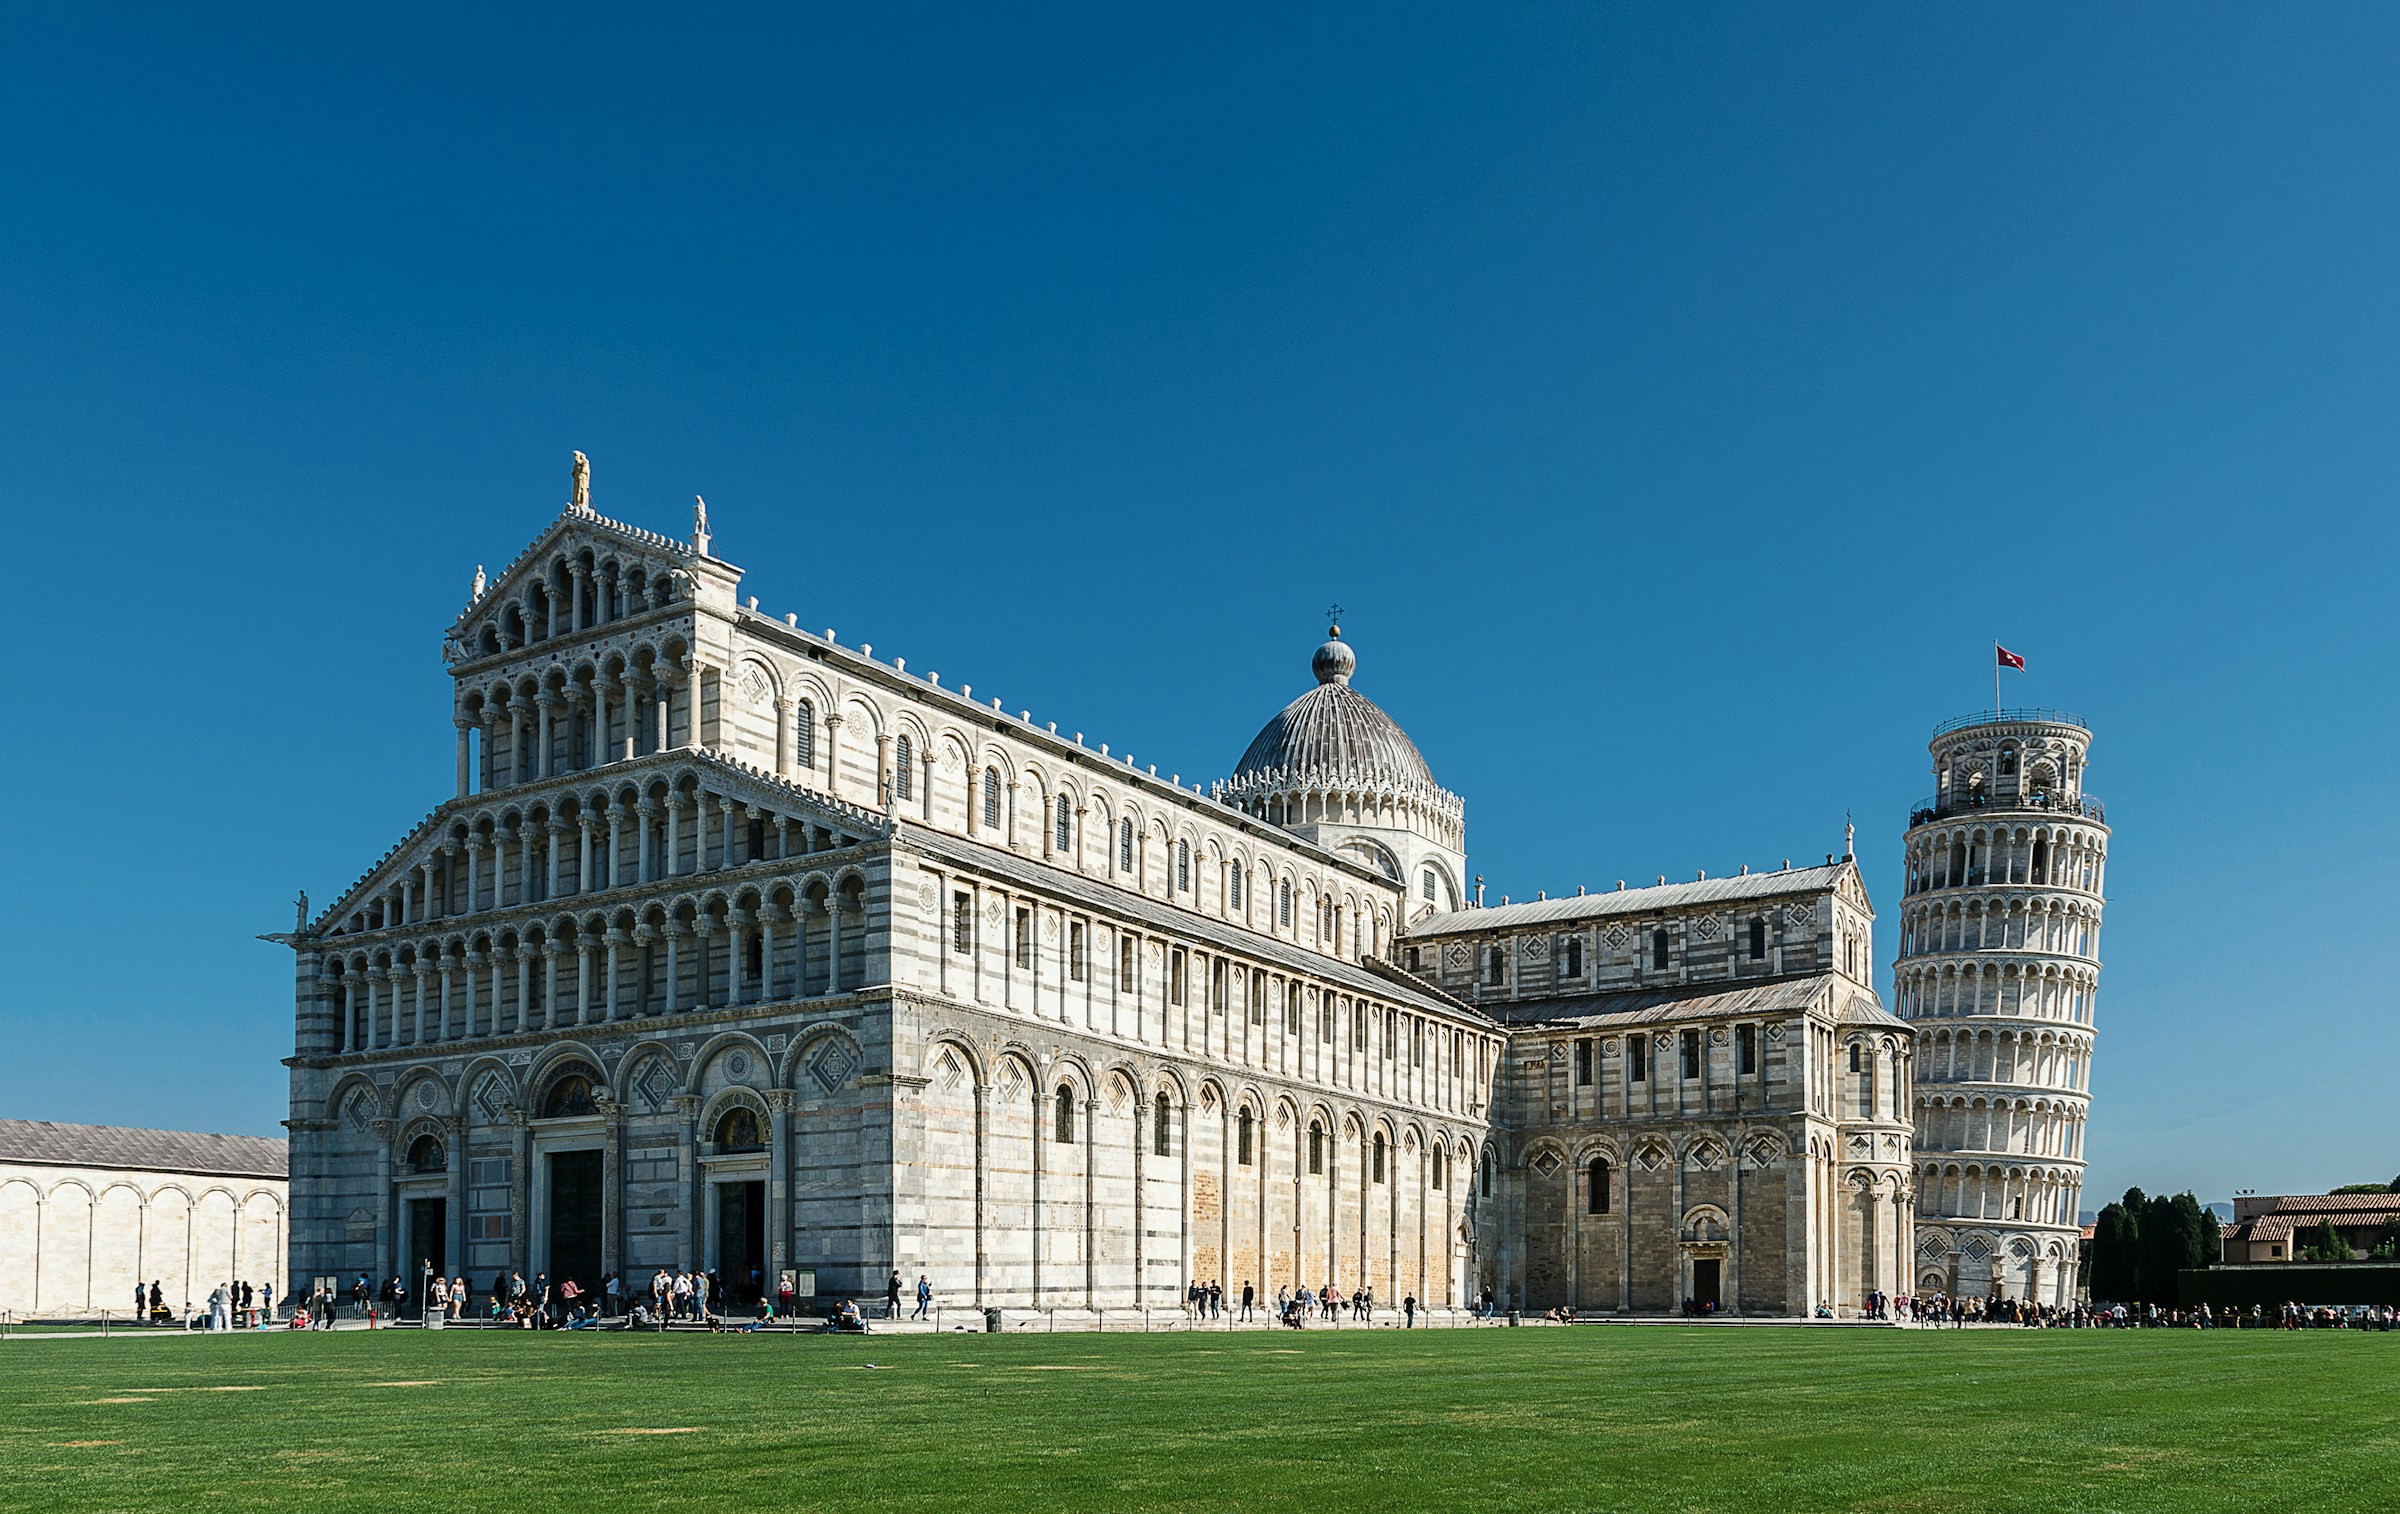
(580, 498)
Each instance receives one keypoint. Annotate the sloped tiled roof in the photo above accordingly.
(2333, 1203)
(1634, 901)
(47, 1143)
(1781, 996)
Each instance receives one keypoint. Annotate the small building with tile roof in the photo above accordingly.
(2278, 1227)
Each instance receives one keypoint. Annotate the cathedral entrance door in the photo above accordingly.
(575, 1219)
(428, 1246)
(1708, 1286)
(741, 1239)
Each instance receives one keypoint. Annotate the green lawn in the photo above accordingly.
(1594, 1418)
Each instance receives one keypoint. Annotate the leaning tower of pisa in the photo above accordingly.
(1999, 966)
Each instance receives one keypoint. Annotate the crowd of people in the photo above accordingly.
(1936, 1310)
(676, 1296)
(229, 1306)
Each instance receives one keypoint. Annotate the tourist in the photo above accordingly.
(701, 1286)
(609, 1296)
(891, 1291)
(785, 1295)
(1248, 1293)
(683, 1295)
(140, 1301)
(924, 1296)
(1408, 1311)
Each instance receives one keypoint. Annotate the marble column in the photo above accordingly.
(612, 1190)
(779, 1180)
(616, 940)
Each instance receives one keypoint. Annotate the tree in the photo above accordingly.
(2362, 1188)
(2116, 1255)
(2176, 1234)
(2325, 1244)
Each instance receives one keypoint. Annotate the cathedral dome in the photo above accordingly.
(1334, 735)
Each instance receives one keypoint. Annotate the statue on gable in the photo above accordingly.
(475, 594)
(301, 905)
(700, 525)
(580, 497)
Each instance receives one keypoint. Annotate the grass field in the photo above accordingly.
(1594, 1418)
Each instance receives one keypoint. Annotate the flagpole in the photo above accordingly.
(1995, 678)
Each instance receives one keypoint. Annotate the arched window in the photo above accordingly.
(1125, 846)
(570, 1095)
(1429, 885)
(737, 1130)
(1316, 1147)
(1183, 867)
(1596, 1200)
(1758, 940)
(1241, 1138)
(1378, 1156)
(1487, 1173)
(1062, 1120)
(1854, 1057)
(991, 799)
(1441, 1161)
(1495, 964)
(1233, 885)
(904, 767)
(1162, 1127)
(1064, 839)
(804, 734)
(427, 1154)
(1283, 903)
(1658, 947)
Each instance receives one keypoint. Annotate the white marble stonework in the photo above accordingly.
(738, 947)
(1999, 975)
(87, 1211)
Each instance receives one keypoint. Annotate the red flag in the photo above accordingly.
(2008, 659)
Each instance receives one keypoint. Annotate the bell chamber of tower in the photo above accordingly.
(1998, 970)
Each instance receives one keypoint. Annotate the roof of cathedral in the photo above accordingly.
(1368, 976)
(1334, 732)
(1652, 1005)
(48, 1143)
(1634, 901)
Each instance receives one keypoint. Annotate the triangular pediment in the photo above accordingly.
(508, 610)
(360, 909)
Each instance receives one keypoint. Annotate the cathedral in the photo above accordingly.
(739, 948)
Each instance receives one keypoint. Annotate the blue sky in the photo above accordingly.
(1679, 400)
